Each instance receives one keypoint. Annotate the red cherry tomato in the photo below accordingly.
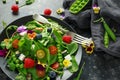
(53, 50)
(15, 8)
(47, 12)
(15, 43)
(55, 65)
(41, 73)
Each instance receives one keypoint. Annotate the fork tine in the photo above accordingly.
(80, 36)
(78, 40)
(77, 37)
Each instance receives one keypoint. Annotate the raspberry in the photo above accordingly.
(67, 39)
(15, 8)
(47, 12)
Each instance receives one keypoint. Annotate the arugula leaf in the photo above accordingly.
(53, 59)
(72, 48)
(58, 37)
(4, 24)
(80, 72)
(33, 24)
(26, 46)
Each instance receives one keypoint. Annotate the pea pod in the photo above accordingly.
(77, 6)
(106, 40)
(109, 31)
(28, 2)
(60, 58)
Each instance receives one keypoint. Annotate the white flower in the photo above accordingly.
(68, 57)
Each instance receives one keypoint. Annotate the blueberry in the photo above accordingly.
(39, 36)
(52, 74)
(49, 30)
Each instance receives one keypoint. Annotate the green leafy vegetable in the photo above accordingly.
(74, 66)
(72, 48)
(80, 72)
(20, 76)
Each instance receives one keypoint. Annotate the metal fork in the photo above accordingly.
(78, 38)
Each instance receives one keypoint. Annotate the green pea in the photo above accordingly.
(21, 65)
(17, 61)
(14, 59)
(17, 65)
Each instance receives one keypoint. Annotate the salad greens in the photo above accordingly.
(39, 51)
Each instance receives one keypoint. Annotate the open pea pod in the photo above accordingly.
(77, 6)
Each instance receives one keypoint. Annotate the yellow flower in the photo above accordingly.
(89, 46)
(67, 63)
(43, 64)
(96, 10)
(6, 41)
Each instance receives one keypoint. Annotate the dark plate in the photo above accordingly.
(24, 20)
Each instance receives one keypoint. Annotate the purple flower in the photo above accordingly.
(39, 67)
(3, 53)
(30, 31)
(21, 29)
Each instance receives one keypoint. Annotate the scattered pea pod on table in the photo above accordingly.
(108, 30)
(77, 6)
(106, 39)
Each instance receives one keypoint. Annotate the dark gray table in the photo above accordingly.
(98, 66)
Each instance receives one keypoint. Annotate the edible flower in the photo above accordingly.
(68, 57)
(67, 63)
(6, 41)
(40, 67)
(60, 11)
(96, 9)
(32, 35)
(88, 45)
(21, 29)
(3, 53)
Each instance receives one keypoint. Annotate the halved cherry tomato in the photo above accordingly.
(53, 49)
(15, 43)
(41, 73)
(55, 65)
(40, 54)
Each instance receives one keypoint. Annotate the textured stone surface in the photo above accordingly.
(98, 66)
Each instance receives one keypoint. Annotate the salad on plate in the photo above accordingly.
(39, 51)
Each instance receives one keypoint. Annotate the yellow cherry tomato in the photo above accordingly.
(40, 54)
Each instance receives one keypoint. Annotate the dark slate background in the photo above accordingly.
(98, 66)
